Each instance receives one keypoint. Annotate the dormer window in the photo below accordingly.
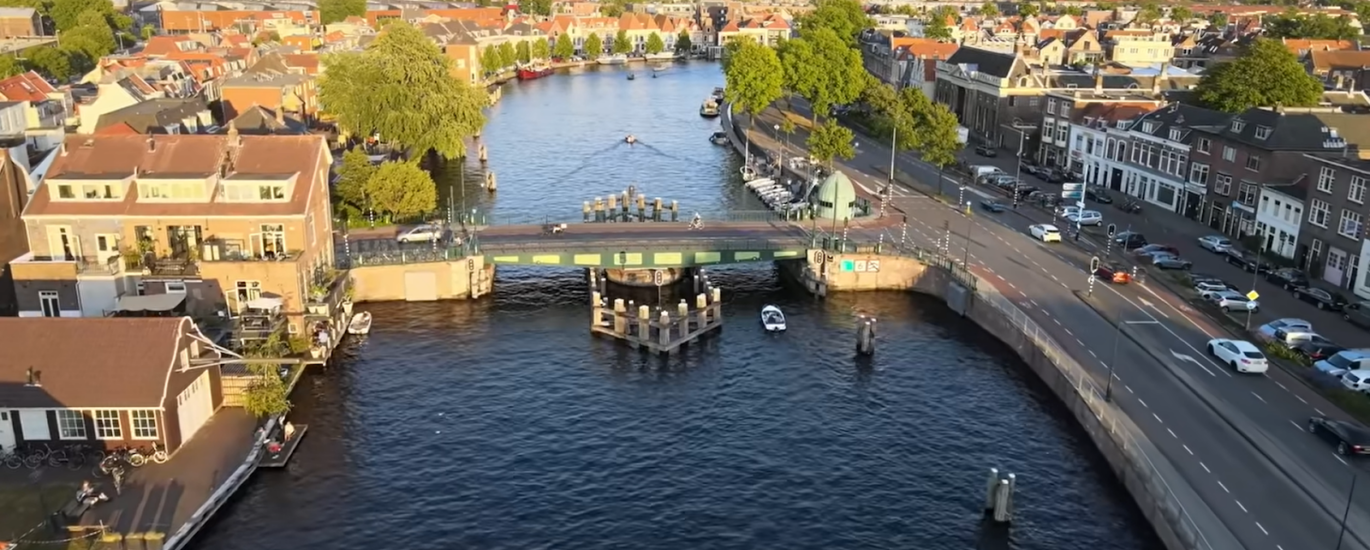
(258, 189)
(1238, 126)
(1124, 124)
(1149, 126)
(89, 191)
(1262, 132)
(1176, 134)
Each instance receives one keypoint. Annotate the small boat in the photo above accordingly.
(772, 319)
(709, 109)
(630, 139)
(361, 323)
(718, 95)
(719, 138)
(748, 173)
(653, 75)
(658, 69)
(660, 56)
(619, 59)
(531, 72)
(631, 76)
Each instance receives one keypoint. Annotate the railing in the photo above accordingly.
(578, 216)
(704, 245)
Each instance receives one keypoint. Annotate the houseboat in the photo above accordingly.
(617, 59)
(534, 72)
(709, 109)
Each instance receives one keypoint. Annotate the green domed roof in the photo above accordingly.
(835, 198)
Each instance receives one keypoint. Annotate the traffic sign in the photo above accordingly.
(1252, 295)
(1072, 190)
(1251, 306)
(1112, 228)
(1094, 264)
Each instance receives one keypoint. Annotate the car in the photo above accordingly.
(1130, 240)
(1289, 338)
(1356, 380)
(1046, 232)
(1207, 289)
(1113, 272)
(421, 234)
(1230, 300)
(991, 206)
(1067, 211)
(1086, 217)
(1241, 355)
(1216, 244)
(1288, 324)
(1029, 167)
(1054, 175)
(1155, 249)
(986, 151)
(1246, 260)
(1100, 196)
(1197, 278)
(1166, 261)
(1357, 314)
(1316, 351)
(1344, 361)
(1287, 277)
(1321, 298)
(1350, 438)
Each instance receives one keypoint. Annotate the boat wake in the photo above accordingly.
(657, 151)
(590, 159)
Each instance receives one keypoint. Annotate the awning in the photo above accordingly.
(154, 302)
(265, 302)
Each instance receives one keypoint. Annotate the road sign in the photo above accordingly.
(658, 277)
(847, 265)
(1094, 264)
(1072, 190)
(860, 266)
(873, 266)
(1252, 295)
(1112, 228)
(1251, 306)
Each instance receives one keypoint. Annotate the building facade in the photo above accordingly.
(1333, 231)
(1278, 217)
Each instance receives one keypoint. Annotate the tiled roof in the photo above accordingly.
(27, 86)
(1292, 129)
(992, 63)
(153, 115)
(1326, 60)
(1179, 116)
(87, 362)
(197, 156)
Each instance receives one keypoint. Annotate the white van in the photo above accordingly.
(1344, 361)
(979, 170)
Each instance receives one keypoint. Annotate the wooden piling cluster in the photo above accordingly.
(865, 335)
(999, 489)
(658, 330)
(620, 208)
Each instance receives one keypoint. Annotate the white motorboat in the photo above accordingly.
(618, 59)
(361, 323)
(748, 173)
(772, 319)
(660, 56)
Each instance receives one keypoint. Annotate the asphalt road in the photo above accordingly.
(382, 240)
(1237, 439)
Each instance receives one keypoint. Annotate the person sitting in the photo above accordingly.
(289, 431)
(86, 497)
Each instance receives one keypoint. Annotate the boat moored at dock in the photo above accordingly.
(709, 109)
(534, 72)
(618, 59)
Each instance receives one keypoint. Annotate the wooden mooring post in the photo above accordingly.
(662, 331)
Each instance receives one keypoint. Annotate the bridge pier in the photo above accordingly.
(662, 331)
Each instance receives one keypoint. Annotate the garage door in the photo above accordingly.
(194, 406)
(420, 286)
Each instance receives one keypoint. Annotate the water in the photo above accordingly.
(503, 424)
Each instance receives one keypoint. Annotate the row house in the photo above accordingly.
(274, 84)
(1345, 70)
(1332, 238)
(115, 91)
(768, 30)
(204, 223)
(47, 110)
(1065, 108)
(1278, 218)
(1068, 47)
(159, 116)
(463, 42)
(1156, 166)
(1139, 47)
(917, 64)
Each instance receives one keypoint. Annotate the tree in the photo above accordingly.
(540, 49)
(354, 172)
(594, 46)
(489, 60)
(506, 55)
(939, 23)
(1150, 13)
(51, 62)
(754, 79)
(402, 189)
(846, 18)
(830, 141)
(536, 7)
(1265, 75)
(824, 70)
(1074, 11)
(1293, 24)
(91, 37)
(10, 66)
(938, 139)
(523, 53)
(654, 44)
(335, 11)
(989, 9)
(1028, 10)
(266, 395)
(682, 42)
(1218, 19)
(564, 48)
(1181, 14)
(621, 43)
(402, 88)
(147, 32)
(66, 14)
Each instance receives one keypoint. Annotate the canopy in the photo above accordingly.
(153, 302)
(265, 302)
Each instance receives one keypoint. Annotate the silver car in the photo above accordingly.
(421, 234)
(1216, 244)
(1231, 300)
(1288, 324)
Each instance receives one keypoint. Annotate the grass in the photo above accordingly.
(28, 504)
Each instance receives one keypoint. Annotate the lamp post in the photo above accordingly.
(1117, 335)
(965, 260)
(1018, 172)
(1342, 534)
(782, 151)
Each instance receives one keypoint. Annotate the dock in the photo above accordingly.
(660, 330)
(281, 456)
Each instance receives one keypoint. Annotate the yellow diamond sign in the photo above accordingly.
(1252, 295)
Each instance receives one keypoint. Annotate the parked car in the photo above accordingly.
(1357, 314)
(1343, 361)
(1287, 277)
(421, 234)
(1029, 167)
(1086, 217)
(1054, 175)
(1231, 300)
(1130, 240)
(1113, 272)
(1241, 355)
(1289, 338)
(1197, 278)
(1356, 380)
(1245, 260)
(1046, 232)
(1100, 196)
(1066, 211)
(1288, 324)
(1350, 438)
(1207, 289)
(1321, 298)
(1155, 249)
(986, 151)
(1216, 244)
(1166, 261)
(1317, 351)
(992, 206)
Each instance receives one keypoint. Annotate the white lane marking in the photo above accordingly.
(1172, 433)
(1258, 396)
(1034, 302)
(1177, 310)
(1343, 461)
(1079, 341)
(1142, 401)
(1239, 505)
(1281, 386)
(1167, 328)
(1157, 417)
(1296, 396)
(1186, 358)
(1267, 533)
(1058, 321)
(1013, 287)
(1129, 388)
(1296, 425)
(1205, 467)
(1220, 484)
(1053, 277)
(1091, 352)
(1141, 322)
(1069, 332)
(1319, 411)
(1186, 447)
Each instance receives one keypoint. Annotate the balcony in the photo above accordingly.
(172, 266)
(220, 250)
(329, 289)
(90, 266)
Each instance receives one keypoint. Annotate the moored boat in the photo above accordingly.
(361, 323)
(630, 139)
(660, 56)
(718, 95)
(719, 138)
(772, 319)
(709, 109)
(534, 72)
(618, 59)
(631, 76)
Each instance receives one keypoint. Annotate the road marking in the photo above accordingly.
(1205, 467)
(1142, 322)
(1267, 533)
(1239, 505)
(1069, 332)
(1011, 286)
(1079, 341)
(1172, 433)
(1296, 396)
(1058, 321)
(1186, 358)
(1258, 396)
(1034, 302)
(1343, 461)
(1158, 418)
(1296, 425)
(1186, 447)
(1091, 352)
(1319, 411)
(1115, 377)
(1143, 402)
(1220, 484)
(1281, 386)
(1129, 388)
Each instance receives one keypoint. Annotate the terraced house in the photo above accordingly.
(187, 224)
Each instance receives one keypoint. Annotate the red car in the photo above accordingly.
(1114, 273)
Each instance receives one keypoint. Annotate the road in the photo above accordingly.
(1238, 440)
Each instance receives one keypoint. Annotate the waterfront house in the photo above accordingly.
(105, 382)
(216, 221)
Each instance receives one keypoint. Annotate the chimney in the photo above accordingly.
(64, 148)
(1340, 81)
(232, 134)
(1156, 82)
(151, 145)
(35, 378)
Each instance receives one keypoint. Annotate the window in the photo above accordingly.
(71, 424)
(254, 192)
(1222, 185)
(1262, 132)
(1149, 126)
(1357, 192)
(1229, 154)
(1247, 193)
(107, 425)
(1253, 163)
(49, 304)
(65, 192)
(1318, 212)
(175, 287)
(247, 291)
(1172, 162)
(1326, 177)
(1051, 106)
(1350, 224)
(1176, 134)
(1198, 174)
(170, 190)
(1202, 145)
(273, 240)
(309, 225)
(144, 424)
(1238, 125)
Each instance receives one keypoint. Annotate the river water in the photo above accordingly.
(503, 424)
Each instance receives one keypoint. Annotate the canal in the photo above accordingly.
(501, 423)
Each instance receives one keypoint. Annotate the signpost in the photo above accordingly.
(1108, 243)
(1093, 268)
(1072, 191)
(1251, 305)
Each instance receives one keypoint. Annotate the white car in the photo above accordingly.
(1207, 290)
(1229, 300)
(1288, 324)
(1216, 244)
(1046, 232)
(1239, 354)
(421, 234)
(1086, 217)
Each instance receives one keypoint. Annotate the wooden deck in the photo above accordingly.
(280, 458)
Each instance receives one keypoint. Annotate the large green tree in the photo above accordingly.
(830, 141)
(1293, 24)
(51, 62)
(754, 79)
(10, 66)
(621, 43)
(682, 42)
(936, 129)
(350, 187)
(939, 23)
(594, 46)
(402, 87)
(540, 49)
(92, 38)
(655, 44)
(989, 9)
(335, 11)
(66, 14)
(1181, 13)
(846, 18)
(402, 189)
(523, 53)
(564, 48)
(823, 69)
(489, 60)
(507, 56)
(1265, 75)
(1029, 10)
(536, 7)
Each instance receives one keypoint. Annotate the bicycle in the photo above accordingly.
(12, 459)
(36, 457)
(157, 452)
(117, 473)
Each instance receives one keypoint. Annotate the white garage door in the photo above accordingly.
(194, 406)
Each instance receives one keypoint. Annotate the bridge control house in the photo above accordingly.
(198, 225)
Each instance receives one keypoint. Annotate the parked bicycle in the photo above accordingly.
(12, 459)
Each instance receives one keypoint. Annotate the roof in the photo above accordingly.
(1179, 116)
(155, 115)
(993, 63)
(257, 120)
(17, 12)
(1326, 60)
(1298, 129)
(27, 86)
(199, 156)
(88, 362)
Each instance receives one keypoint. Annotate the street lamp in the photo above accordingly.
(965, 261)
(1347, 512)
(1117, 335)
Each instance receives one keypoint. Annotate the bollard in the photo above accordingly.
(1089, 290)
(683, 311)
(597, 309)
(991, 487)
(585, 209)
(665, 334)
(1003, 497)
(613, 207)
(599, 209)
(702, 304)
(675, 211)
(483, 153)
(644, 322)
(656, 210)
(716, 295)
(490, 181)
(596, 299)
(880, 243)
(626, 202)
(865, 337)
(619, 316)
(641, 208)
